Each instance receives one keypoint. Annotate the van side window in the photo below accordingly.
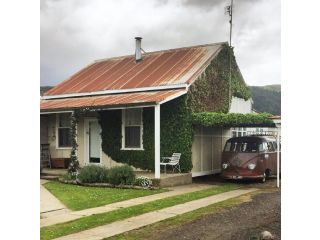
(263, 147)
(275, 146)
(227, 147)
(270, 147)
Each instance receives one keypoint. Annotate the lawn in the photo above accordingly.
(148, 231)
(80, 197)
(92, 221)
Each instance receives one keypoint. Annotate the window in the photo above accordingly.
(251, 147)
(239, 132)
(270, 147)
(132, 129)
(64, 130)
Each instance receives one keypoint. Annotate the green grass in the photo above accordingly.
(148, 231)
(92, 221)
(80, 197)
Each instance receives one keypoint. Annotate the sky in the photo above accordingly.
(74, 33)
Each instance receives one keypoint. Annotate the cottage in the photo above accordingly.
(136, 109)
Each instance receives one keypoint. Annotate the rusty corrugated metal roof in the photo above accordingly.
(125, 99)
(169, 67)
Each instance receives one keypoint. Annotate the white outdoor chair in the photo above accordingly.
(173, 161)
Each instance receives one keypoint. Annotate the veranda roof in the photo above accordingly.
(109, 101)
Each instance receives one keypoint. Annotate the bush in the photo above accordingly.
(93, 174)
(143, 182)
(122, 175)
(69, 176)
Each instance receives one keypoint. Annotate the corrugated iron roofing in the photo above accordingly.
(168, 67)
(126, 99)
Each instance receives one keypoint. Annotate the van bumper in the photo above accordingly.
(241, 175)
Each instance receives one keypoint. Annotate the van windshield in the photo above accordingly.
(233, 146)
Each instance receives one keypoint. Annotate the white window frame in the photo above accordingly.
(123, 131)
(241, 130)
(57, 134)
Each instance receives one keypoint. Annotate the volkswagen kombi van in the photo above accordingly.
(249, 157)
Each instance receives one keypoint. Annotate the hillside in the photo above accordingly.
(267, 98)
(43, 89)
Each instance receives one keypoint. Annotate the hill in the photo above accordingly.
(267, 98)
(43, 89)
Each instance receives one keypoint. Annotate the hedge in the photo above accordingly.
(232, 119)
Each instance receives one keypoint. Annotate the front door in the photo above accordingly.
(93, 141)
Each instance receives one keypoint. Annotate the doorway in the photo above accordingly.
(92, 141)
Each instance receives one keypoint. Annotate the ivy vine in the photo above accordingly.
(210, 92)
(232, 119)
(175, 135)
(74, 162)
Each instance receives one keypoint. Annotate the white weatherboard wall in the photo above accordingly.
(208, 143)
(239, 105)
(50, 122)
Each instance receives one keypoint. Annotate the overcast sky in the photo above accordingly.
(76, 32)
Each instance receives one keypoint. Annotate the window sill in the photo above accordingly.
(63, 148)
(138, 149)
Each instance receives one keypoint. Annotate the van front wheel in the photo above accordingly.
(263, 179)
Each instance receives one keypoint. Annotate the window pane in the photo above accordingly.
(64, 120)
(275, 146)
(263, 147)
(64, 137)
(132, 137)
(133, 117)
(270, 147)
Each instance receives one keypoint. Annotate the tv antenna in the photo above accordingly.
(229, 11)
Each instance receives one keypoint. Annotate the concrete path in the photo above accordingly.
(49, 203)
(54, 218)
(119, 227)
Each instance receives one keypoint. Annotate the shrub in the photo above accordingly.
(122, 175)
(69, 176)
(143, 182)
(93, 174)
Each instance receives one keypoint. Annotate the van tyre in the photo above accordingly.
(268, 173)
(263, 179)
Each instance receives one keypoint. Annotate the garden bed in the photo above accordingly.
(106, 185)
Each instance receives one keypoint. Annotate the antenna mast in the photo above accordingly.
(229, 10)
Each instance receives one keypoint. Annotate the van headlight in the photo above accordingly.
(251, 166)
(225, 165)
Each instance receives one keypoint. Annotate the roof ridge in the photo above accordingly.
(160, 51)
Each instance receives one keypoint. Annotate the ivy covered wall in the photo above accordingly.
(210, 92)
(176, 135)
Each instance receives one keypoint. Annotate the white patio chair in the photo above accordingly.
(173, 161)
